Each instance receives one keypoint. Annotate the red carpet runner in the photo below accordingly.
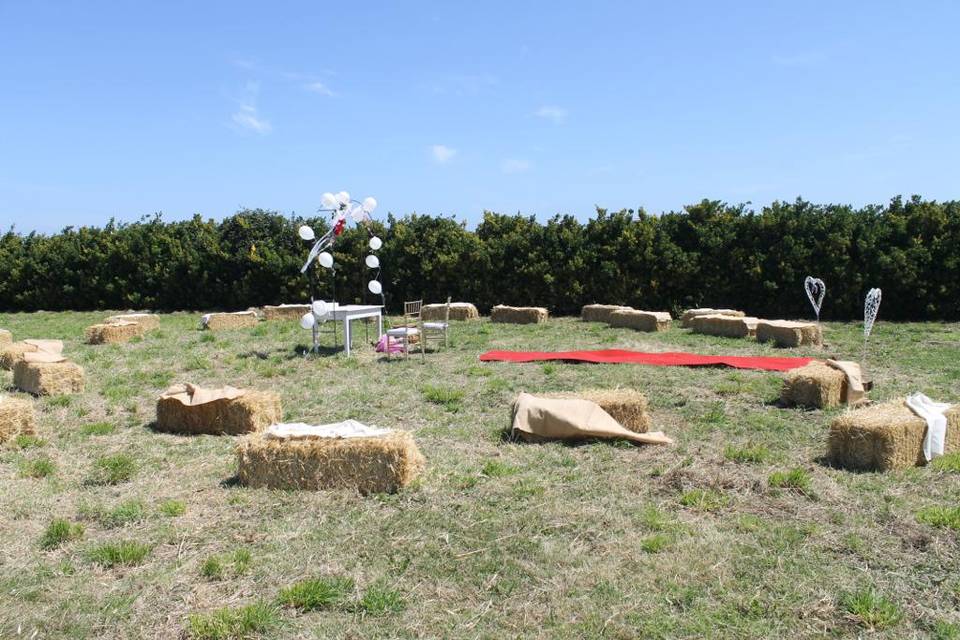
(672, 359)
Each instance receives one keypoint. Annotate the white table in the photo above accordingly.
(347, 313)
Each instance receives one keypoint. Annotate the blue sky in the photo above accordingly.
(122, 109)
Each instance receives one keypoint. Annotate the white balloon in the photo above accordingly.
(369, 204)
(306, 233)
(373, 262)
(319, 308)
(343, 197)
(375, 243)
(325, 260)
(375, 287)
(329, 200)
(307, 321)
(358, 214)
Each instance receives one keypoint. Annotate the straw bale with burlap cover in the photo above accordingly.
(381, 464)
(626, 406)
(5, 337)
(518, 315)
(12, 353)
(114, 332)
(686, 320)
(285, 311)
(17, 417)
(149, 321)
(600, 312)
(187, 408)
(47, 374)
(724, 326)
(885, 437)
(458, 311)
(641, 320)
(234, 320)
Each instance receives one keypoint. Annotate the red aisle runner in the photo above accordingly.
(670, 359)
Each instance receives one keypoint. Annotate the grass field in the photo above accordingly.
(111, 530)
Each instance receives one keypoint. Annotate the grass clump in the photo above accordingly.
(704, 499)
(172, 508)
(25, 441)
(498, 469)
(447, 397)
(795, 479)
(871, 609)
(378, 599)
(113, 469)
(233, 623)
(59, 532)
(317, 593)
(241, 561)
(41, 467)
(212, 568)
(949, 462)
(98, 429)
(655, 543)
(943, 517)
(748, 454)
(126, 553)
(215, 567)
(124, 514)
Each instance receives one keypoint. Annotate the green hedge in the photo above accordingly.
(710, 254)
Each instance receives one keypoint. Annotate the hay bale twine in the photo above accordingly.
(458, 311)
(885, 437)
(627, 406)
(600, 312)
(228, 321)
(285, 311)
(817, 385)
(641, 320)
(787, 333)
(724, 326)
(6, 337)
(17, 417)
(518, 315)
(245, 413)
(114, 332)
(149, 321)
(686, 320)
(48, 378)
(381, 464)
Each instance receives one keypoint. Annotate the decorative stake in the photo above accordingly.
(816, 290)
(871, 305)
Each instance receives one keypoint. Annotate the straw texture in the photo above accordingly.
(641, 320)
(600, 312)
(250, 412)
(114, 332)
(626, 406)
(5, 337)
(686, 320)
(817, 385)
(13, 353)
(518, 315)
(382, 464)
(48, 378)
(149, 321)
(786, 333)
(725, 326)
(226, 321)
(885, 437)
(458, 311)
(285, 311)
(17, 417)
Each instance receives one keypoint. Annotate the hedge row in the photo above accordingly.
(710, 254)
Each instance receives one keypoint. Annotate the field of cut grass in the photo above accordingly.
(111, 530)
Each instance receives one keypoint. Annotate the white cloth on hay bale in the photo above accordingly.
(932, 412)
(303, 431)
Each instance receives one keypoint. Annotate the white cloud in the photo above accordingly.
(442, 154)
(248, 118)
(552, 112)
(514, 165)
(319, 87)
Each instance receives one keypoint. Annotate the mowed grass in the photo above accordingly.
(109, 529)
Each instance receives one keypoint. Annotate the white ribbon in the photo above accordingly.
(932, 412)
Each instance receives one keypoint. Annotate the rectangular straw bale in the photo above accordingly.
(48, 378)
(686, 320)
(885, 437)
(253, 411)
(149, 321)
(11, 353)
(817, 385)
(5, 337)
(626, 406)
(113, 332)
(786, 333)
(724, 326)
(600, 312)
(285, 311)
(641, 320)
(458, 311)
(236, 320)
(381, 464)
(518, 315)
(17, 417)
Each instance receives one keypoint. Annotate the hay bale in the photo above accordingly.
(381, 464)
(11, 354)
(230, 411)
(149, 321)
(114, 332)
(48, 378)
(17, 417)
(5, 337)
(725, 326)
(600, 312)
(817, 385)
(626, 406)
(786, 333)
(518, 315)
(285, 311)
(885, 437)
(641, 320)
(226, 321)
(686, 320)
(458, 311)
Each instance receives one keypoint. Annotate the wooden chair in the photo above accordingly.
(409, 329)
(435, 331)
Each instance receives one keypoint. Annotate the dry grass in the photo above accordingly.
(518, 315)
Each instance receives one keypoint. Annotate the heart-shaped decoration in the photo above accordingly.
(816, 290)
(871, 305)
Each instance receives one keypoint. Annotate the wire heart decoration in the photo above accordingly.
(871, 305)
(816, 290)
